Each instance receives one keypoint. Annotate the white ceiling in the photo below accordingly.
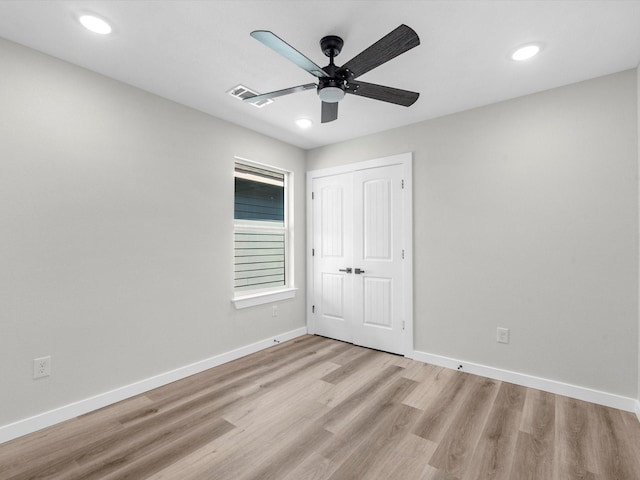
(192, 52)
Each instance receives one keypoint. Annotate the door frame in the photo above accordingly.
(406, 160)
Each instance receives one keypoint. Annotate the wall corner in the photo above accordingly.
(638, 180)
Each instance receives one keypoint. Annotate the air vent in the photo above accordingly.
(241, 92)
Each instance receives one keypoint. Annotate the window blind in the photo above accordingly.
(260, 233)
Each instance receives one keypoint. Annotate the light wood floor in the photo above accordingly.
(316, 408)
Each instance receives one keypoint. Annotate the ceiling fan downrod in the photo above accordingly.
(331, 89)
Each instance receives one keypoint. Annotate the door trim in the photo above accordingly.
(406, 160)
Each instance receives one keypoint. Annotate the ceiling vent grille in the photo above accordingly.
(241, 92)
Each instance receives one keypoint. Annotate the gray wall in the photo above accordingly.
(116, 234)
(526, 217)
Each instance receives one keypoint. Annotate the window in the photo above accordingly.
(261, 232)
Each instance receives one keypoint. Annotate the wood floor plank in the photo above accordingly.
(241, 371)
(538, 414)
(432, 380)
(242, 454)
(347, 355)
(338, 393)
(432, 473)
(493, 457)
(353, 434)
(615, 456)
(454, 452)
(41, 449)
(344, 372)
(408, 460)
(421, 372)
(165, 453)
(320, 409)
(530, 460)
(293, 452)
(242, 449)
(534, 449)
(269, 418)
(98, 457)
(630, 428)
(265, 392)
(439, 412)
(269, 405)
(314, 467)
(573, 448)
(376, 449)
(342, 413)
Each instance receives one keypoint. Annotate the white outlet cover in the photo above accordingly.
(503, 335)
(41, 367)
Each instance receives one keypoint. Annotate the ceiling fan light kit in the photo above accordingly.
(334, 81)
(331, 94)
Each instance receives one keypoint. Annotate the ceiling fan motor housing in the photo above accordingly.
(331, 45)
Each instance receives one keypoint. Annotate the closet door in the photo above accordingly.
(357, 261)
(378, 289)
(333, 256)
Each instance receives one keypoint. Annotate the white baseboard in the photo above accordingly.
(552, 386)
(46, 419)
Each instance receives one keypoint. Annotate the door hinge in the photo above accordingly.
(313, 252)
(313, 309)
(403, 324)
(403, 183)
(312, 196)
(403, 254)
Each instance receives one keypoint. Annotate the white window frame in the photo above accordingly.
(250, 298)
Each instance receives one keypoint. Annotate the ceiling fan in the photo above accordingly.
(334, 81)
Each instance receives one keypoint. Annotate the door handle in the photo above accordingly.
(348, 270)
(358, 271)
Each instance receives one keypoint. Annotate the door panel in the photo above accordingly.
(331, 217)
(332, 296)
(378, 307)
(376, 195)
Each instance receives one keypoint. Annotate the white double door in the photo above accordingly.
(358, 240)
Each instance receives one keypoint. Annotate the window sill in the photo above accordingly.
(254, 299)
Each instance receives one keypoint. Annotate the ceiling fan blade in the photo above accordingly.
(283, 48)
(279, 93)
(329, 112)
(390, 46)
(380, 92)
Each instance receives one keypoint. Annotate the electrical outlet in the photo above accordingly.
(41, 367)
(274, 311)
(503, 335)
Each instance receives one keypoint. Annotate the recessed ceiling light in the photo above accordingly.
(304, 122)
(95, 24)
(526, 52)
